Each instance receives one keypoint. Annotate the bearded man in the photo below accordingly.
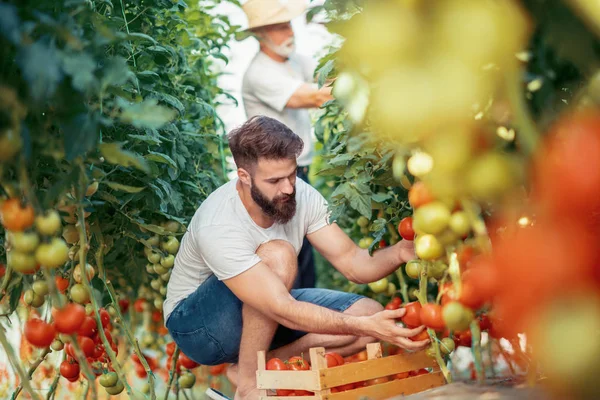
(230, 293)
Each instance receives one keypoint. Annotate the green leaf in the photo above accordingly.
(376, 239)
(324, 71)
(15, 295)
(116, 72)
(161, 158)
(80, 134)
(147, 114)
(170, 100)
(124, 188)
(40, 66)
(138, 37)
(341, 159)
(381, 197)
(378, 224)
(81, 67)
(114, 154)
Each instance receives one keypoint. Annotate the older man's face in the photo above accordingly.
(278, 33)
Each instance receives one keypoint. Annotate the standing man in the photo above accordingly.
(279, 83)
(230, 293)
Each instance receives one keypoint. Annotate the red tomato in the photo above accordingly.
(69, 369)
(377, 381)
(464, 338)
(39, 333)
(431, 316)
(70, 350)
(401, 375)
(87, 345)
(343, 388)
(124, 305)
(448, 294)
(108, 335)
(170, 349)
(405, 228)
(412, 318)
(156, 316)
(138, 305)
(217, 370)
(420, 336)
(104, 317)
(303, 393)
(98, 351)
(332, 360)
(392, 306)
(276, 364)
(16, 217)
(465, 255)
(297, 363)
(484, 322)
(421, 371)
(187, 362)
(69, 319)
(140, 371)
(470, 296)
(88, 328)
(419, 194)
(61, 283)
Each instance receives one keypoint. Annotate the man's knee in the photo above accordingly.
(280, 256)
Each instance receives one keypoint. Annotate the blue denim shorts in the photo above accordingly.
(207, 325)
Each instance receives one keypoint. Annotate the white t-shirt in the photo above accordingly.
(268, 85)
(222, 238)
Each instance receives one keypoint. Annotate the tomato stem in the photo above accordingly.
(476, 350)
(527, 132)
(403, 285)
(52, 390)
(32, 369)
(172, 371)
(16, 364)
(438, 355)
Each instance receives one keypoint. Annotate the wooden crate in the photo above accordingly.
(321, 379)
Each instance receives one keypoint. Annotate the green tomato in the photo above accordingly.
(168, 261)
(391, 289)
(10, 144)
(116, 389)
(109, 379)
(432, 217)
(362, 221)
(430, 352)
(52, 255)
(21, 262)
(153, 241)
(427, 247)
(460, 223)
(437, 270)
(40, 288)
(447, 237)
(490, 176)
(48, 224)
(79, 294)
(447, 346)
(379, 286)
(456, 316)
(187, 380)
(413, 269)
(172, 226)
(154, 258)
(158, 269)
(25, 242)
(365, 242)
(32, 299)
(57, 345)
(171, 245)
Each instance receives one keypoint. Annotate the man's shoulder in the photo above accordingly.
(215, 209)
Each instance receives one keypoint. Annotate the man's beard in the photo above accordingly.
(282, 209)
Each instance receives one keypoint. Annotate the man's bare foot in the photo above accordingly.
(246, 394)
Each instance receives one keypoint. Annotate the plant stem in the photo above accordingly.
(403, 285)
(476, 350)
(438, 355)
(527, 132)
(131, 339)
(172, 371)
(86, 283)
(53, 387)
(6, 281)
(32, 369)
(16, 364)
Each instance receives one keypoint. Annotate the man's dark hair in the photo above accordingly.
(263, 137)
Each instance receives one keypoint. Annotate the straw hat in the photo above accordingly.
(270, 12)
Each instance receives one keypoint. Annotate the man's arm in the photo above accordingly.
(272, 298)
(355, 263)
(309, 96)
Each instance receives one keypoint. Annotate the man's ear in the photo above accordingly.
(244, 176)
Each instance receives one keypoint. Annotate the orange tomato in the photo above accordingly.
(419, 194)
(16, 217)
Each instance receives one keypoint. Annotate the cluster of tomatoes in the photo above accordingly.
(72, 323)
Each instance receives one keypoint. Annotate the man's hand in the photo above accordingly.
(382, 326)
(406, 248)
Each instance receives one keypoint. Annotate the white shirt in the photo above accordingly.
(222, 238)
(268, 85)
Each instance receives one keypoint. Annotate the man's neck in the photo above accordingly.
(255, 212)
(272, 55)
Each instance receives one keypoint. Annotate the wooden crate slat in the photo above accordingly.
(300, 380)
(386, 390)
(287, 398)
(376, 368)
